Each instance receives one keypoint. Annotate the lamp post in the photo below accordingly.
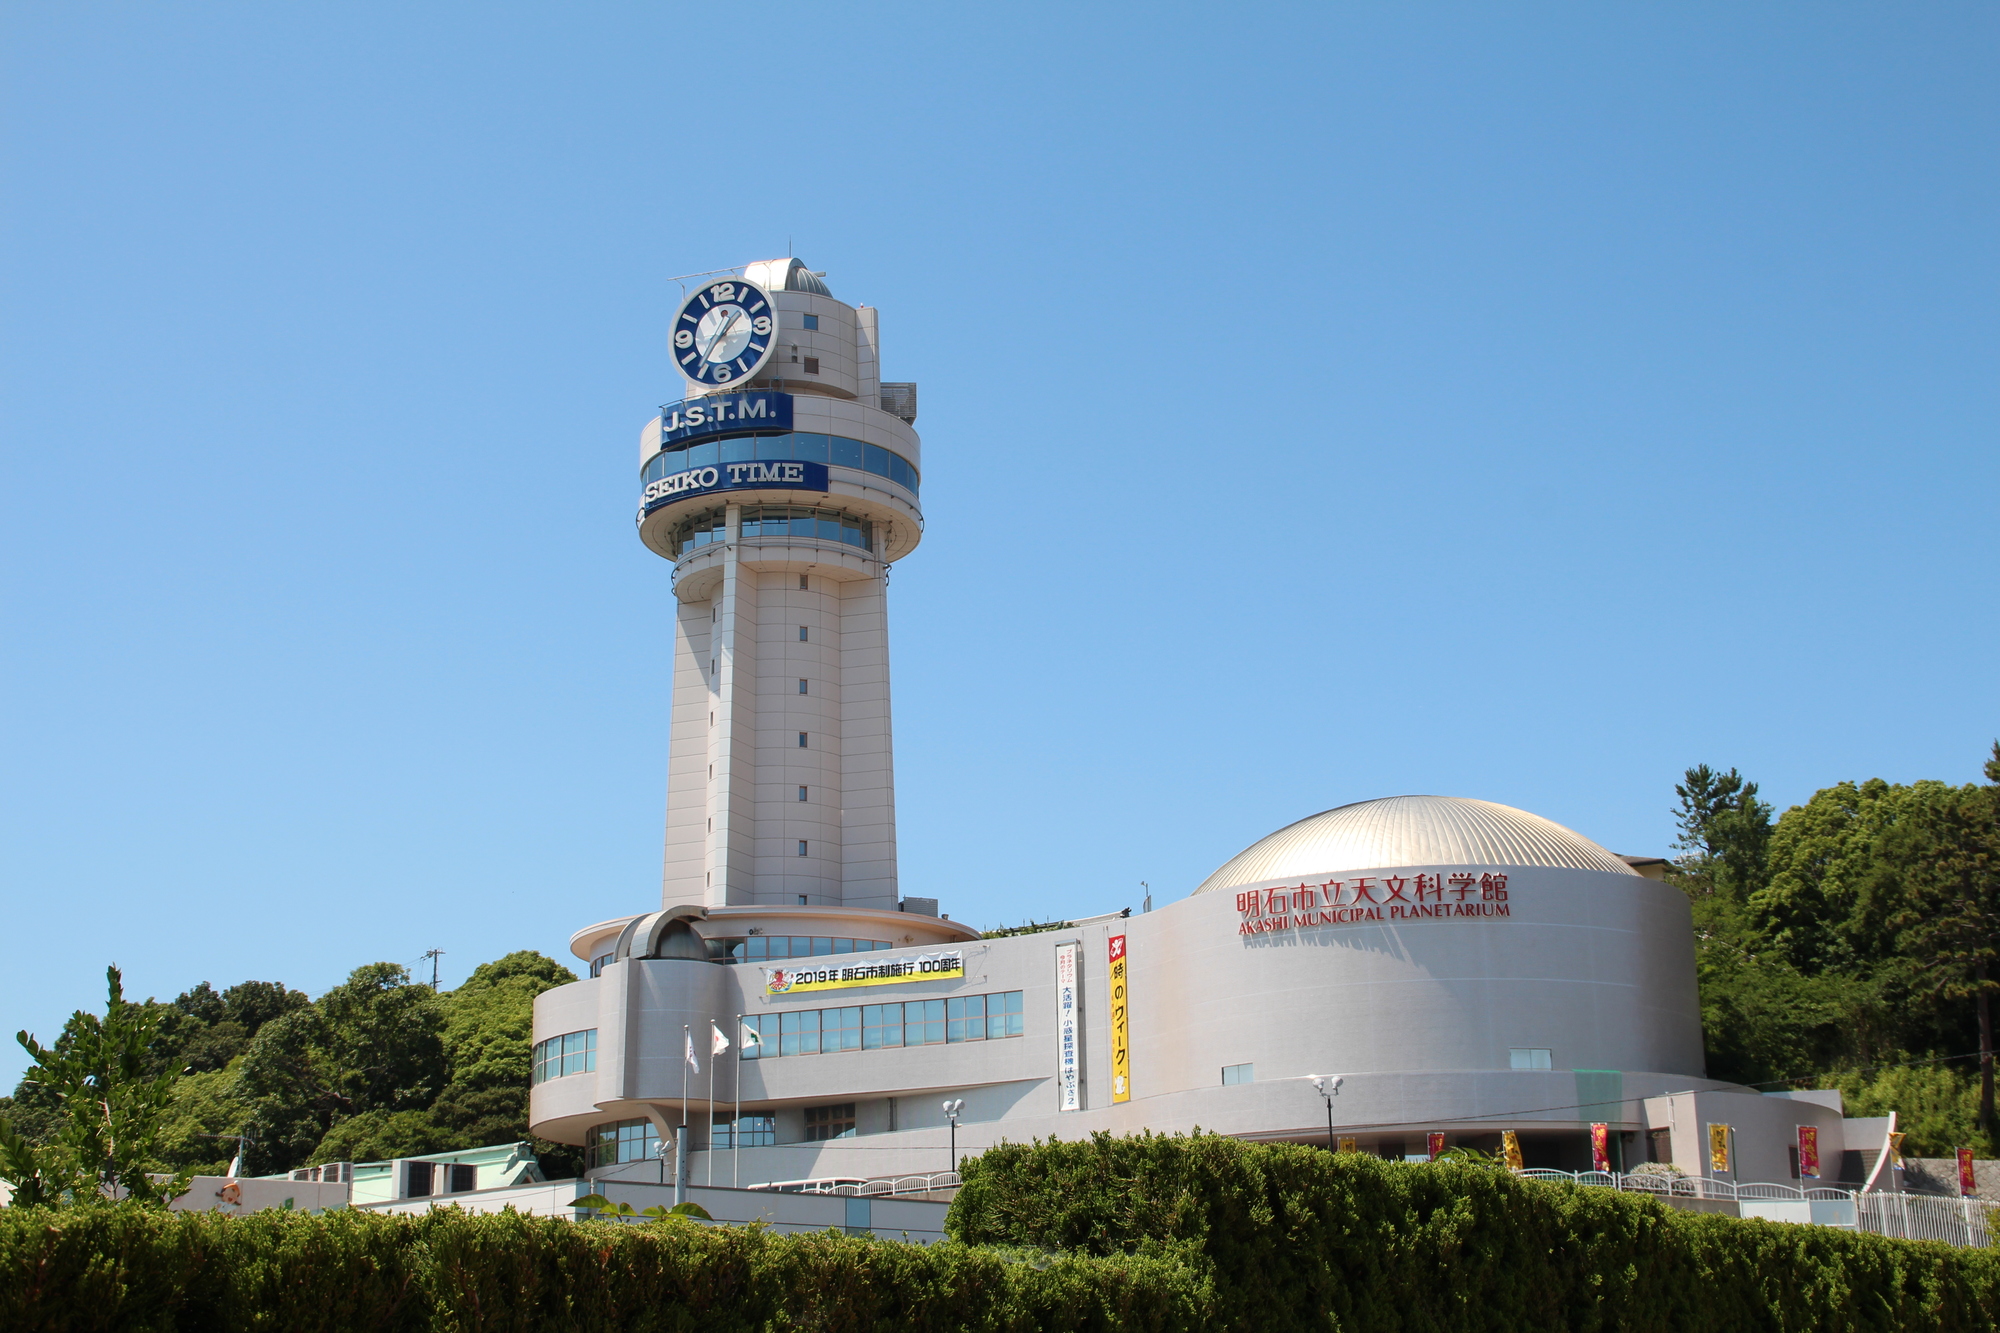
(1328, 1089)
(951, 1110)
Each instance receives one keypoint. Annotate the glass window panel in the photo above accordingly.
(844, 1031)
(809, 1043)
(802, 946)
(843, 946)
(876, 459)
(706, 454)
(927, 1030)
(899, 470)
(809, 447)
(754, 947)
(845, 452)
(774, 446)
(741, 449)
(822, 946)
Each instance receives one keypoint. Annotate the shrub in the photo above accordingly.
(1302, 1239)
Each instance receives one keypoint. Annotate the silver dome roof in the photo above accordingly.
(1412, 831)
(785, 275)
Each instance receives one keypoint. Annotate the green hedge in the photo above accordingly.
(1298, 1238)
(84, 1270)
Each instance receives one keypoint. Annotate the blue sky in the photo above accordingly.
(1319, 402)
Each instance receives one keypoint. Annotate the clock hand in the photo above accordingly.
(721, 333)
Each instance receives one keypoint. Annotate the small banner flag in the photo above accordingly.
(1718, 1147)
(1896, 1149)
(1968, 1180)
(753, 1040)
(1121, 1031)
(1435, 1143)
(687, 1036)
(717, 1043)
(1510, 1149)
(1808, 1152)
(1350, 1145)
(1600, 1147)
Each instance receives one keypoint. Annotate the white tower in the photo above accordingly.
(782, 487)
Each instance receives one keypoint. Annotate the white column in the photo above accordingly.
(868, 779)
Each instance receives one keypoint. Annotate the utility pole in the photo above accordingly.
(433, 955)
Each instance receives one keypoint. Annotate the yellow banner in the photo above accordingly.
(1121, 1046)
(1718, 1147)
(882, 972)
(1510, 1149)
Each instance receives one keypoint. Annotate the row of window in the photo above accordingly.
(870, 1027)
(803, 446)
(756, 948)
(637, 1141)
(571, 1053)
(829, 525)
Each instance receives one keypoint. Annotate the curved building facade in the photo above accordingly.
(1381, 973)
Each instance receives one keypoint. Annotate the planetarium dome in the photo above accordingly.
(1412, 831)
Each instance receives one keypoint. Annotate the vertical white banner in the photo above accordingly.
(1069, 1068)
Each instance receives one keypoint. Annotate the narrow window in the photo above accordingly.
(812, 365)
(802, 687)
(802, 634)
(711, 772)
(802, 846)
(1234, 1074)
(802, 793)
(812, 321)
(802, 583)
(1528, 1058)
(802, 740)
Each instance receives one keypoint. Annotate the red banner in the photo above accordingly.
(1808, 1152)
(1968, 1182)
(1600, 1147)
(1435, 1142)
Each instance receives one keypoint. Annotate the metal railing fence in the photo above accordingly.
(1955, 1221)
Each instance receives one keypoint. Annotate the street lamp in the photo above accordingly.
(1328, 1089)
(951, 1110)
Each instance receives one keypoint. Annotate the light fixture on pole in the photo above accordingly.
(951, 1110)
(1328, 1089)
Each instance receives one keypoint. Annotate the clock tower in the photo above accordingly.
(782, 486)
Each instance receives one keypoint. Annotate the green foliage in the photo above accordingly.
(1025, 928)
(118, 1269)
(1296, 1238)
(1858, 936)
(111, 1102)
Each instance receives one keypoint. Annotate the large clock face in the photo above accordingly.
(724, 332)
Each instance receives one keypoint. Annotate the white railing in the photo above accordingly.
(848, 1185)
(1956, 1221)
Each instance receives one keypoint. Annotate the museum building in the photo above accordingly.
(1389, 976)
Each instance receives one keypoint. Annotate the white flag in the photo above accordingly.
(688, 1036)
(720, 1042)
(751, 1040)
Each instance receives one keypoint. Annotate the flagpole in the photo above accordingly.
(687, 1049)
(711, 1114)
(736, 1129)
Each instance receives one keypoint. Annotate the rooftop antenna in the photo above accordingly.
(1149, 896)
(433, 955)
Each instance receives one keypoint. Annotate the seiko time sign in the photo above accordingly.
(733, 477)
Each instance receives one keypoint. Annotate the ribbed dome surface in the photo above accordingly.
(1412, 831)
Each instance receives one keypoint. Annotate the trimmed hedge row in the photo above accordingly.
(1299, 1238)
(127, 1269)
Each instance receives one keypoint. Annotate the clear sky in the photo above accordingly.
(1319, 402)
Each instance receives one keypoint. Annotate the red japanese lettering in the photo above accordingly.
(1395, 883)
(1361, 891)
(1493, 888)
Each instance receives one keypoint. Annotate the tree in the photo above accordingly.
(372, 1043)
(1950, 921)
(1725, 833)
(111, 1101)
